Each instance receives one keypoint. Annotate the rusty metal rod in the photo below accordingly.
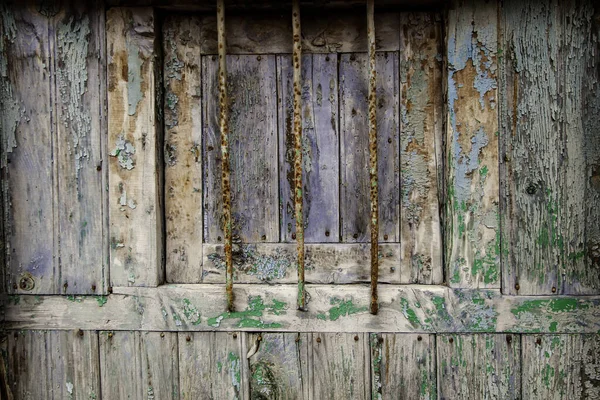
(297, 63)
(373, 157)
(223, 123)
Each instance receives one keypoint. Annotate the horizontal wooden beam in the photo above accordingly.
(414, 308)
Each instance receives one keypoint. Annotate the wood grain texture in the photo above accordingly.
(253, 145)
(213, 365)
(134, 134)
(53, 364)
(479, 366)
(332, 308)
(421, 147)
(322, 32)
(28, 176)
(338, 365)
(320, 147)
(550, 87)
(550, 84)
(79, 69)
(472, 225)
(403, 366)
(325, 263)
(275, 366)
(183, 149)
(354, 148)
(561, 367)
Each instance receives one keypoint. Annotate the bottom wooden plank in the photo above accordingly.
(561, 367)
(331, 308)
(403, 366)
(479, 366)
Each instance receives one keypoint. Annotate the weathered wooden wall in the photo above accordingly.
(489, 183)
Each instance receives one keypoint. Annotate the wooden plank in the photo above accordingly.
(79, 65)
(561, 366)
(27, 151)
(75, 364)
(320, 131)
(29, 365)
(354, 199)
(121, 365)
(211, 365)
(472, 233)
(322, 32)
(420, 147)
(275, 366)
(479, 366)
(339, 364)
(324, 263)
(551, 195)
(183, 149)
(253, 143)
(134, 132)
(160, 364)
(403, 366)
(332, 308)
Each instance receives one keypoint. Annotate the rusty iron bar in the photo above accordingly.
(223, 123)
(297, 63)
(373, 157)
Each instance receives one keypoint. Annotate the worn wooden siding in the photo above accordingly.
(165, 365)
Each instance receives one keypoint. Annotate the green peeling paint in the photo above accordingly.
(191, 312)
(341, 308)
(251, 317)
(101, 300)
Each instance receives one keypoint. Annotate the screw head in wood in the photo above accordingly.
(380, 340)
(162, 334)
(188, 338)
(553, 289)
(419, 338)
(235, 335)
(385, 237)
(79, 332)
(318, 340)
(26, 282)
(451, 340)
(355, 236)
(517, 287)
(356, 338)
(110, 335)
(327, 233)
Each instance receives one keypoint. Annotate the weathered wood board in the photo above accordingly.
(275, 366)
(403, 366)
(354, 149)
(320, 148)
(421, 123)
(28, 176)
(479, 366)
(339, 263)
(251, 82)
(331, 308)
(183, 149)
(550, 102)
(54, 364)
(134, 134)
(561, 367)
(472, 228)
(213, 365)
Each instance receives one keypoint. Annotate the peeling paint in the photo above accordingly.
(252, 316)
(124, 151)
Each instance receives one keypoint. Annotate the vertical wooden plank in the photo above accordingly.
(121, 365)
(561, 367)
(354, 149)
(340, 366)
(134, 131)
(479, 366)
(320, 132)
(253, 144)
(160, 366)
(420, 147)
(29, 365)
(75, 364)
(274, 365)
(80, 65)
(403, 366)
(211, 365)
(472, 234)
(27, 150)
(581, 181)
(183, 142)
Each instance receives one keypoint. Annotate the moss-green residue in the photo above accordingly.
(251, 317)
(547, 375)
(219, 367)
(191, 312)
(234, 371)
(342, 308)
(264, 381)
(74, 299)
(553, 326)
(409, 313)
(101, 300)
(558, 305)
